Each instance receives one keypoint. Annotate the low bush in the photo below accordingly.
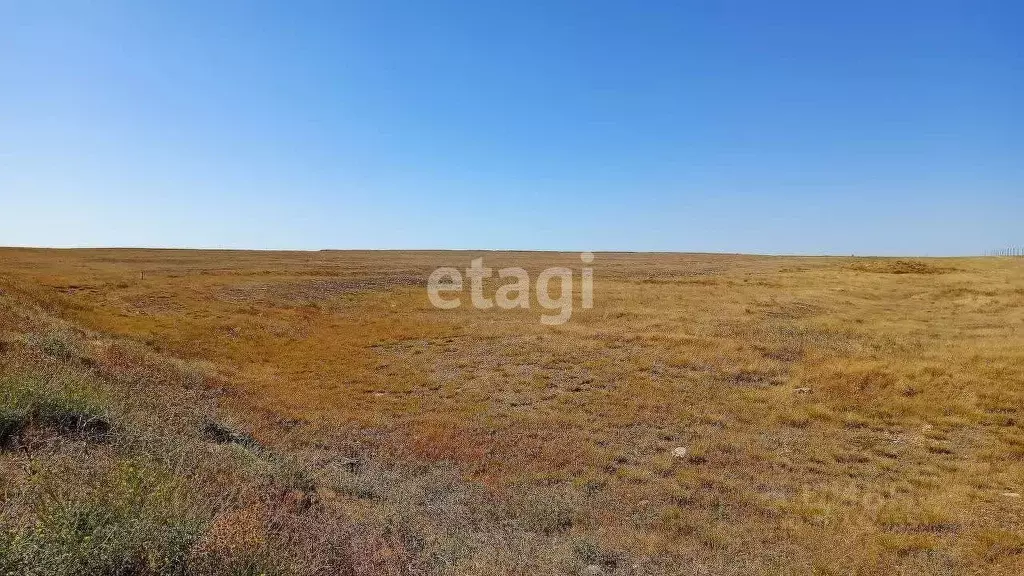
(67, 408)
(132, 520)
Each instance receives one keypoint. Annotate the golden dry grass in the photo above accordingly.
(841, 415)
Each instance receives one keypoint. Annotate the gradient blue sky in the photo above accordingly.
(870, 127)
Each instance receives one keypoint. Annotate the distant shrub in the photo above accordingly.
(62, 344)
(544, 510)
(223, 434)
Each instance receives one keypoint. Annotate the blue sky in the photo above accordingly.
(767, 127)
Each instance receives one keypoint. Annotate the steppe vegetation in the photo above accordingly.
(215, 412)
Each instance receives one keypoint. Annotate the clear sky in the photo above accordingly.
(868, 127)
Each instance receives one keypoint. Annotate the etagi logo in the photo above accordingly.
(514, 294)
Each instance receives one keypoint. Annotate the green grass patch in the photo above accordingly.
(65, 407)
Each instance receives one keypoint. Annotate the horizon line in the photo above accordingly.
(496, 250)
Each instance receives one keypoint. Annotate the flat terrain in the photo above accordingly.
(840, 415)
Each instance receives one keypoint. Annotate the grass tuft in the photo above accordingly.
(30, 401)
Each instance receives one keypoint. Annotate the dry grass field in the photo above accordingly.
(223, 412)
